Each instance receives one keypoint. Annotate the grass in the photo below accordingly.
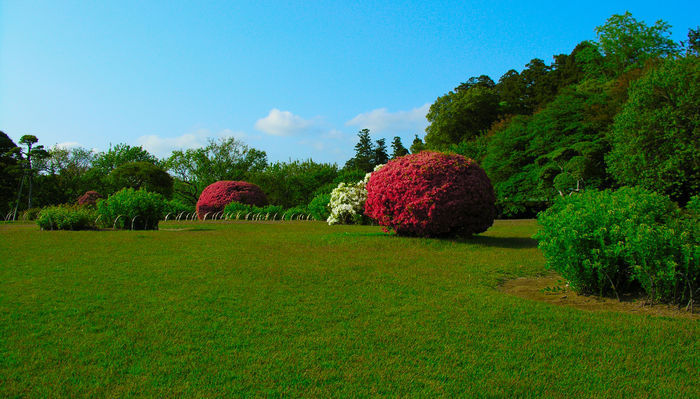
(304, 309)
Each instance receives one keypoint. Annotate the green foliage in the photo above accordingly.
(142, 175)
(141, 208)
(318, 207)
(474, 149)
(627, 43)
(397, 148)
(30, 214)
(364, 158)
(66, 217)
(524, 160)
(10, 173)
(236, 210)
(694, 205)
(460, 115)
(293, 183)
(176, 207)
(120, 154)
(295, 212)
(380, 153)
(656, 137)
(417, 145)
(611, 242)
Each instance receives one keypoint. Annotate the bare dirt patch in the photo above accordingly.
(552, 289)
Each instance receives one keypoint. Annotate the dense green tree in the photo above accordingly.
(511, 92)
(364, 153)
(692, 45)
(558, 149)
(461, 115)
(656, 137)
(10, 173)
(627, 43)
(417, 145)
(294, 183)
(142, 175)
(397, 148)
(380, 153)
(483, 81)
(474, 149)
(67, 175)
(106, 162)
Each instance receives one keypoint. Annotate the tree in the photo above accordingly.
(142, 175)
(483, 81)
(225, 159)
(627, 43)
(417, 145)
(380, 155)
(398, 150)
(106, 162)
(32, 159)
(294, 183)
(66, 174)
(364, 153)
(461, 115)
(656, 137)
(10, 172)
(692, 45)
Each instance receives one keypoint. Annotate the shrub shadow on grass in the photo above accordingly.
(499, 242)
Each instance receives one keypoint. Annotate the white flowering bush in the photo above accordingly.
(348, 202)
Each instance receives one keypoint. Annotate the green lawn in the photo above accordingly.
(303, 309)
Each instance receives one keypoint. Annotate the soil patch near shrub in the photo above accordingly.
(553, 289)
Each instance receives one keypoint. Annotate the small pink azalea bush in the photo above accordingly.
(431, 194)
(216, 196)
(89, 198)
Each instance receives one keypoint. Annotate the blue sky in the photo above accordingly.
(295, 79)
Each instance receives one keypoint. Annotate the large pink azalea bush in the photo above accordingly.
(216, 196)
(431, 194)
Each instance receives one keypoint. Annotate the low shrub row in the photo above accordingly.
(237, 210)
(67, 217)
(619, 242)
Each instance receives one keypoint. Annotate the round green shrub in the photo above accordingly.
(66, 217)
(616, 242)
(319, 207)
(138, 208)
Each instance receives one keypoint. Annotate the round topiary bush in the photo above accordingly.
(431, 194)
(216, 196)
(89, 198)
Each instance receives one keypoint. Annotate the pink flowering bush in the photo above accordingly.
(431, 194)
(89, 198)
(216, 196)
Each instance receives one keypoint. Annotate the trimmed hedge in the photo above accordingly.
(617, 242)
(66, 217)
(431, 194)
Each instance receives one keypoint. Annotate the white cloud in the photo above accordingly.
(163, 146)
(381, 120)
(284, 123)
(67, 145)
